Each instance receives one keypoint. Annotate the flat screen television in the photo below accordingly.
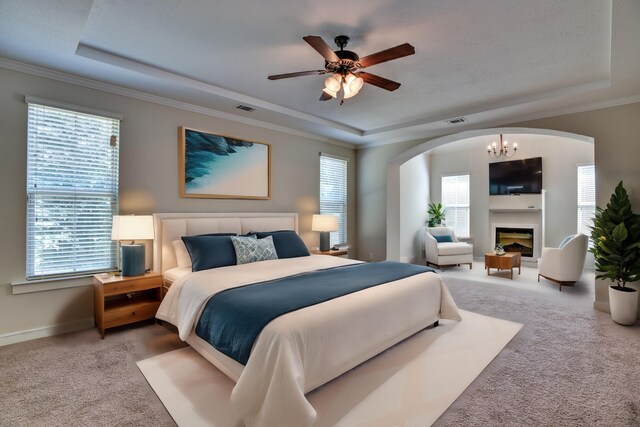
(516, 177)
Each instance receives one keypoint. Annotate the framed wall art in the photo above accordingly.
(222, 167)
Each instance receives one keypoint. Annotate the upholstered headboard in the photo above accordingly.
(171, 226)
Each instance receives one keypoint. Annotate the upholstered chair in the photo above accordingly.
(564, 264)
(442, 248)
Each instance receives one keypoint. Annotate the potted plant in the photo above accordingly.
(436, 214)
(616, 247)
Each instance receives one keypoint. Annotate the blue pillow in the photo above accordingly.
(288, 244)
(443, 239)
(249, 249)
(210, 251)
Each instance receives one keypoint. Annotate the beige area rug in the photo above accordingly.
(411, 384)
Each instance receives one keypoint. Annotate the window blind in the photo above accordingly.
(72, 192)
(333, 194)
(586, 198)
(455, 199)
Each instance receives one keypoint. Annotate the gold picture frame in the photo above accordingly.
(213, 166)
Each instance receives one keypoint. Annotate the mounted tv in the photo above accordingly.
(516, 177)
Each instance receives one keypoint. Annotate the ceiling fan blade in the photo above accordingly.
(298, 74)
(325, 96)
(322, 47)
(387, 55)
(381, 82)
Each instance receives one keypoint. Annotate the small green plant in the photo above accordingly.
(436, 214)
(616, 240)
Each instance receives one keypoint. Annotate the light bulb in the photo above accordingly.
(332, 83)
(356, 84)
(348, 93)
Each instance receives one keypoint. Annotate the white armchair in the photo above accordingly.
(447, 251)
(563, 265)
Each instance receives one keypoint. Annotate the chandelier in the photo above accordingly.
(502, 151)
(343, 86)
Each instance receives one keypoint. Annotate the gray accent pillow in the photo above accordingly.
(250, 249)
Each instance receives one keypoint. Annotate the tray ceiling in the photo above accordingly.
(491, 61)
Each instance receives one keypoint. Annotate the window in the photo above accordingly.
(586, 198)
(333, 194)
(455, 199)
(72, 191)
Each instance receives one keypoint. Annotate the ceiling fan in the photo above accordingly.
(345, 66)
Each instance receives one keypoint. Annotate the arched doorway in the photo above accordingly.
(395, 234)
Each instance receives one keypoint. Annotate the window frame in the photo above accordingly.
(341, 236)
(581, 206)
(462, 206)
(77, 196)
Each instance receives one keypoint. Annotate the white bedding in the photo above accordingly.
(301, 350)
(175, 273)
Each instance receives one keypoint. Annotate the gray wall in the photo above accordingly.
(616, 132)
(148, 183)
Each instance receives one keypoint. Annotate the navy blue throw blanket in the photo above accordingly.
(233, 319)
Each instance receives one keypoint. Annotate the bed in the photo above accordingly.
(302, 349)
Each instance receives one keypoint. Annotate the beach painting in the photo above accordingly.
(223, 167)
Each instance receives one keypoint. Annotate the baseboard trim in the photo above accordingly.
(602, 306)
(45, 331)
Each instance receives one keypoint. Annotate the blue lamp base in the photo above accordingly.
(132, 259)
(324, 240)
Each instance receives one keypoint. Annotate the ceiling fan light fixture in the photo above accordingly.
(332, 83)
(356, 84)
(331, 93)
(348, 93)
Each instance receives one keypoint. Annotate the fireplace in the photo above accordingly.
(516, 239)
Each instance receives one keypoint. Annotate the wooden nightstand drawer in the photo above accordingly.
(131, 312)
(122, 300)
(127, 286)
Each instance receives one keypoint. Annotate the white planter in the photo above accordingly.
(623, 305)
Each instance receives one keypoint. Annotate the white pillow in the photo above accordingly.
(182, 254)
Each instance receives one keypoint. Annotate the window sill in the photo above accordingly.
(29, 286)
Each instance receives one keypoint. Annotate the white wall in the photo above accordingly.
(414, 196)
(148, 183)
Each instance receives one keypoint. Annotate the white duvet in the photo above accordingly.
(299, 351)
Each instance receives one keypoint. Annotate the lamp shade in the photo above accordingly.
(324, 223)
(132, 227)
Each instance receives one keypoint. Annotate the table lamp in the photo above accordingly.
(325, 224)
(132, 227)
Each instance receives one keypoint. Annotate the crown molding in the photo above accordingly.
(167, 102)
(116, 60)
(143, 96)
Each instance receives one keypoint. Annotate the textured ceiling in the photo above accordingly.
(490, 61)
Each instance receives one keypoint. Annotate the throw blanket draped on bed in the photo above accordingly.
(233, 319)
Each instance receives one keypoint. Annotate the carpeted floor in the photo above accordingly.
(79, 379)
(568, 366)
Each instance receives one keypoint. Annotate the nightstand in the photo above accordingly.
(122, 300)
(340, 252)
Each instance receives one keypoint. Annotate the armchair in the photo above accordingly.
(564, 264)
(443, 248)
